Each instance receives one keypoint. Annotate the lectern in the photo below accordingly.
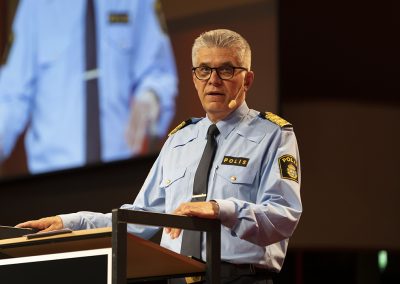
(116, 254)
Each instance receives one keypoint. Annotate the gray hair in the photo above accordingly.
(223, 38)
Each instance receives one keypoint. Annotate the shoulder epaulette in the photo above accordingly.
(275, 119)
(183, 124)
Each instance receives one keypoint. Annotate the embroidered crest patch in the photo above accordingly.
(288, 168)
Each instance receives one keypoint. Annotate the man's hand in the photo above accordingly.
(44, 225)
(142, 124)
(209, 210)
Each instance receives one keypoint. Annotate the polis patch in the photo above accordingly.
(118, 18)
(235, 161)
(288, 167)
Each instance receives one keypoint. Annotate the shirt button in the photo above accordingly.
(168, 181)
(233, 178)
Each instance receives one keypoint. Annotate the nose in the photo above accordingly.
(214, 77)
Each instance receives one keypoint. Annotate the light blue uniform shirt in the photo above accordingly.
(43, 82)
(255, 178)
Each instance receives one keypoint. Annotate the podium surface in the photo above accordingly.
(144, 258)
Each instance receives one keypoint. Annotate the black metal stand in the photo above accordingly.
(120, 218)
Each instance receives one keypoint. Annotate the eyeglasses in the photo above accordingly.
(224, 72)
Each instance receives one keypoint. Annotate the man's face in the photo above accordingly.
(215, 94)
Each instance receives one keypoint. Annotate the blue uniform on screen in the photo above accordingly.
(42, 85)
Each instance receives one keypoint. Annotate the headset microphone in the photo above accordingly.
(232, 104)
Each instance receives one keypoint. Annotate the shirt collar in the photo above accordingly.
(227, 125)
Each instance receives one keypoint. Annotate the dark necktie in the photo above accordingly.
(191, 240)
(92, 93)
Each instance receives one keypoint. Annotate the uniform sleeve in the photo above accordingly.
(150, 198)
(86, 220)
(276, 212)
(17, 78)
(154, 55)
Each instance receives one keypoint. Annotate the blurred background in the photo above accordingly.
(330, 68)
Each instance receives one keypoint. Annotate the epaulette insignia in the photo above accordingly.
(183, 124)
(161, 17)
(275, 119)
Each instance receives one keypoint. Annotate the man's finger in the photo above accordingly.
(26, 224)
(175, 232)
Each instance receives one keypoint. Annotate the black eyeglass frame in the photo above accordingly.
(216, 70)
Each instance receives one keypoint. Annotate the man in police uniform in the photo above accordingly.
(254, 178)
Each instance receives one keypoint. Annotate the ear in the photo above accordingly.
(248, 80)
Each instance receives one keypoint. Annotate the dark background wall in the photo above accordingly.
(339, 66)
(339, 87)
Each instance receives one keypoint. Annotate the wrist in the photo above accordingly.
(215, 208)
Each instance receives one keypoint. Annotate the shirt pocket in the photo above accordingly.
(119, 37)
(234, 181)
(121, 52)
(58, 32)
(51, 50)
(176, 184)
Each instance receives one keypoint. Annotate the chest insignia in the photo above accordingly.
(118, 18)
(235, 161)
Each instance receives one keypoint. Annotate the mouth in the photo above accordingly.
(214, 94)
(214, 97)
